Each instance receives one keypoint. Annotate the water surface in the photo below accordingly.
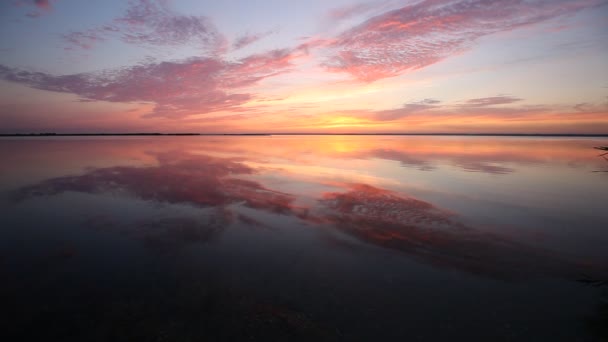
(304, 237)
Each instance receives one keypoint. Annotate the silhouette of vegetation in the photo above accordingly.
(602, 148)
(603, 155)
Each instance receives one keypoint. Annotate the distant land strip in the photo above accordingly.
(45, 134)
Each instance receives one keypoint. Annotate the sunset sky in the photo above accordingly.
(410, 66)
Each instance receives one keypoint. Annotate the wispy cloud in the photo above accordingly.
(346, 12)
(41, 7)
(247, 39)
(178, 89)
(487, 114)
(491, 101)
(43, 4)
(426, 161)
(406, 110)
(153, 23)
(83, 39)
(429, 31)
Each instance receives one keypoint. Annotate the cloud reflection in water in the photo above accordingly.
(384, 218)
(198, 180)
(372, 215)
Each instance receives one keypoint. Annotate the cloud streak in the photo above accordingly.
(347, 12)
(153, 23)
(406, 110)
(178, 89)
(435, 109)
(41, 7)
(429, 31)
(493, 114)
(248, 39)
(42, 4)
(491, 101)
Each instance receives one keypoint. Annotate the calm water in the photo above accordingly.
(282, 238)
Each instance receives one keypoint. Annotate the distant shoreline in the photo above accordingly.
(296, 134)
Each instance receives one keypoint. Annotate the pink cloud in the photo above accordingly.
(42, 7)
(424, 33)
(255, 68)
(487, 107)
(43, 4)
(178, 89)
(248, 39)
(406, 110)
(346, 12)
(152, 22)
(491, 101)
(200, 180)
(472, 163)
(83, 39)
(496, 114)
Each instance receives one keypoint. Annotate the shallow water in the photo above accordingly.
(304, 237)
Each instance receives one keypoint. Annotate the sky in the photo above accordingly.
(236, 66)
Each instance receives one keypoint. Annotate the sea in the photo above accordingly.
(304, 238)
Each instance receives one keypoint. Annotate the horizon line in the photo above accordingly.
(51, 134)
